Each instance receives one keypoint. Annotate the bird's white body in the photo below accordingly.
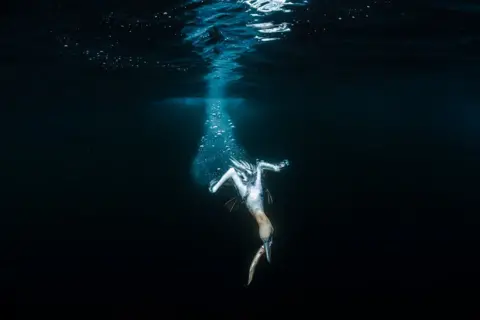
(247, 179)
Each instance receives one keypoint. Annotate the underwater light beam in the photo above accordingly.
(221, 32)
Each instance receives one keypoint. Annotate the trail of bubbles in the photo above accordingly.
(218, 143)
(221, 32)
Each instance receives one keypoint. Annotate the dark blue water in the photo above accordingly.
(378, 117)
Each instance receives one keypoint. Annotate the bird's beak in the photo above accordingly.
(268, 251)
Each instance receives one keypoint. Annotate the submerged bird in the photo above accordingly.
(247, 179)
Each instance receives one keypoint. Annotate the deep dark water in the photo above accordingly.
(379, 204)
(378, 210)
